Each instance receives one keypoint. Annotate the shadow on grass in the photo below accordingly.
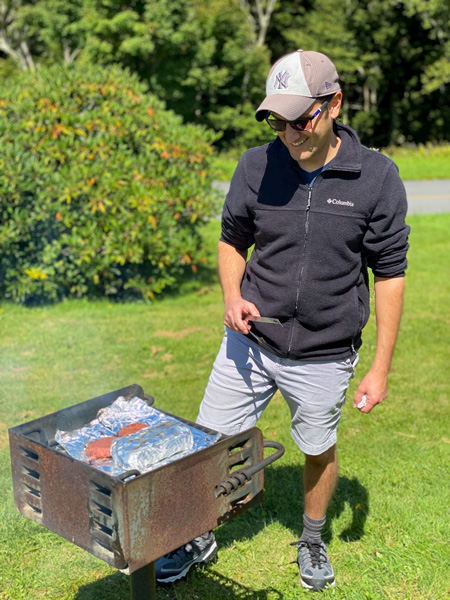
(213, 585)
(225, 587)
(283, 503)
(188, 282)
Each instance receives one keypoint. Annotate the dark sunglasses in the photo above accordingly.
(304, 124)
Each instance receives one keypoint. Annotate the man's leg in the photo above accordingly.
(315, 392)
(319, 481)
(239, 388)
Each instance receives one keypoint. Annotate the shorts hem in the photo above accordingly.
(224, 430)
(314, 450)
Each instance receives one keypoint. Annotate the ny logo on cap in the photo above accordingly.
(281, 80)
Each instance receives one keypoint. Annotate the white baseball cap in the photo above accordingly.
(294, 83)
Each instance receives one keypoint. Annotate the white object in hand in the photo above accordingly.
(363, 402)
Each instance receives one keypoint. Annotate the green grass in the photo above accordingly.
(389, 523)
(421, 162)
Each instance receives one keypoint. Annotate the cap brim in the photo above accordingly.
(288, 106)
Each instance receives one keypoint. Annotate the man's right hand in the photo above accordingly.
(235, 310)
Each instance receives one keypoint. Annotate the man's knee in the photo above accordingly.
(322, 460)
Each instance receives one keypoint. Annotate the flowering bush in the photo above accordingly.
(102, 190)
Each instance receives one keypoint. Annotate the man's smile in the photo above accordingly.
(299, 143)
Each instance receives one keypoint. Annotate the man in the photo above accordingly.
(319, 208)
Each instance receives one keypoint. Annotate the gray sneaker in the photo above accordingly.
(316, 572)
(177, 563)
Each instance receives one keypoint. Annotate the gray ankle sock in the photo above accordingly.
(312, 528)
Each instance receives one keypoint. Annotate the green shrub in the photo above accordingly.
(102, 190)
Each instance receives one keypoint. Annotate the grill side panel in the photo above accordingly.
(68, 497)
(127, 524)
(168, 507)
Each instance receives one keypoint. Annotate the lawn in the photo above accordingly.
(389, 523)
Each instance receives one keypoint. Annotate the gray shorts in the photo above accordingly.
(245, 378)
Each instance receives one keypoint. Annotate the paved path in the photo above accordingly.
(424, 197)
(431, 196)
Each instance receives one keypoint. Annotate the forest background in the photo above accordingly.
(208, 59)
(117, 117)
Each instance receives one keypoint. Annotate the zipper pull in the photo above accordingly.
(309, 198)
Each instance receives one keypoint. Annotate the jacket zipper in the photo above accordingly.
(297, 297)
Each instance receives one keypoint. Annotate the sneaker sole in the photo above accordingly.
(315, 588)
(205, 557)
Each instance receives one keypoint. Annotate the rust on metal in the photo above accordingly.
(130, 523)
(170, 506)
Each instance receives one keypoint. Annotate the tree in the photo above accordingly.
(435, 18)
(259, 14)
(199, 56)
(392, 59)
(403, 51)
(16, 33)
(208, 59)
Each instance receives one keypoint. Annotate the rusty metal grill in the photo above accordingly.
(131, 522)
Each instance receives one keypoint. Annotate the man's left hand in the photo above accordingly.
(372, 390)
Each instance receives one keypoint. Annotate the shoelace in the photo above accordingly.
(186, 548)
(316, 552)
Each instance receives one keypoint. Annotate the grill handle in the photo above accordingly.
(149, 399)
(124, 476)
(240, 477)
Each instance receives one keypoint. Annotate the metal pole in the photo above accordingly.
(143, 583)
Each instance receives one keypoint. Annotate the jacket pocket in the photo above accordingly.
(362, 320)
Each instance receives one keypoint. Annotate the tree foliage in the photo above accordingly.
(102, 190)
(208, 59)
(202, 57)
(392, 57)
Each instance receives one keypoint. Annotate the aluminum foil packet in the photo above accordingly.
(165, 439)
(75, 442)
(124, 412)
(151, 446)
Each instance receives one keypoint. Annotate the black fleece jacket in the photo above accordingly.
(312, 245)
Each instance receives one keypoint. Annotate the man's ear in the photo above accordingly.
(335, 105)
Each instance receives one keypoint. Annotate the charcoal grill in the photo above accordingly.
(132, 520)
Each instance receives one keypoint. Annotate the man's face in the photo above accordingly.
(317, 146)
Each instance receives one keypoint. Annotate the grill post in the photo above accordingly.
(143, 583)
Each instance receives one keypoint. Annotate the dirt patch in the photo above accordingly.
(28, 415)
(177, 335)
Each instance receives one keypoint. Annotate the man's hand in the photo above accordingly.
(372, 390)
(234, 314)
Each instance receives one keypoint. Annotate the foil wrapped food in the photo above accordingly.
(152, 446)
(163, 440)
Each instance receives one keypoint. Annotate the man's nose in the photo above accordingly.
(291, 134)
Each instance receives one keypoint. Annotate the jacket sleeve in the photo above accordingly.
(237, 220)
(386, 239)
